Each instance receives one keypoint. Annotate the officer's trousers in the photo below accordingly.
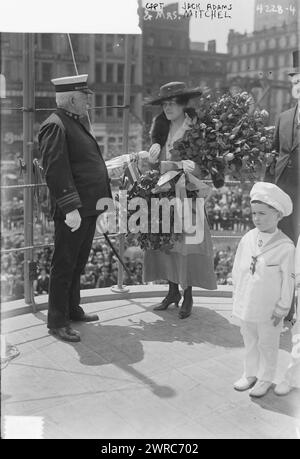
(71, 252)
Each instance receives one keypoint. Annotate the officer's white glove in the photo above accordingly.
(73, 220)
(188, 165)
(154, 153)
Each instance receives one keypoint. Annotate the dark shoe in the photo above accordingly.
(167, 301)
(64, 334)
(85, 318)
(186, 308)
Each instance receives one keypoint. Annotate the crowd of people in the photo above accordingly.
(228, 209)
(100, 271)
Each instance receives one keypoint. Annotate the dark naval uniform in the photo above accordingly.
(77, 178)
(287, 174)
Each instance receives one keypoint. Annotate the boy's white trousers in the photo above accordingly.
(261, 341)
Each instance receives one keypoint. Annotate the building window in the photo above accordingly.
(37, 71)
(244, 48)
(235, 50)
(69, 69)
(261, 63)
(243, 65)
(99, 112)
(46, 41)
(7, 72)
(281, 60)
(182, 69)
(293, 40)
(120, 102)
(288, 60)
(114, 146)
(109, 103)
(234, 67)
(101, 143)
(283, 42)
(150, 40)
(272, 43)
(132, 101)
(98, 72)
(120, 73)
(132, 76)
(109, 43)
(253, 47)
(46, 71)
(98, 42)
(109, 73)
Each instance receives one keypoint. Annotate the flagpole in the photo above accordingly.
(126, 102)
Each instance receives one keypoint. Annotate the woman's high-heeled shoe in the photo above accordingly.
(170, 298)
(186, 309)
(187, 304)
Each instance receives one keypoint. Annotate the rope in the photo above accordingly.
(50, 244)
(97, 107)
(76, 70)
(72, 52)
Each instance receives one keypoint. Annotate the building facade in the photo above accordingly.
(265, 56)
(168, 55)
(102, 57)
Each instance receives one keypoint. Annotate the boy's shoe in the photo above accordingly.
(245, 383)
(283, 388)
(260, 389)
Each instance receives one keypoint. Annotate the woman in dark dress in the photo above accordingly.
(187, 264)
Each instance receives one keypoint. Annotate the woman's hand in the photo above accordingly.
(154, 152)
(188, 165)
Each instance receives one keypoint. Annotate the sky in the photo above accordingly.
(119, 16)
(242, 20)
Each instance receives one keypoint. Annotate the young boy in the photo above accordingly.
(292, 376)
(263, 286)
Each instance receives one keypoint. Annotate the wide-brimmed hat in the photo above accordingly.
(174, 89)
(296, 63)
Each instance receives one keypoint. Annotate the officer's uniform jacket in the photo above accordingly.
(269, 289)
(74, 168)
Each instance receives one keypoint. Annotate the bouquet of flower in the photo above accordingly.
(226, 138)
(147, 188)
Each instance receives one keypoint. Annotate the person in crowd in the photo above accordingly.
(77, 178)
(263, 284)
(186, 264)
(105, 279)
(291, 379)
(42, 284)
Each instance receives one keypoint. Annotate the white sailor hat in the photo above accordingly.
(72, 83)
(271, 194)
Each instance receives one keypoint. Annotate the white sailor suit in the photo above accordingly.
(263, 284)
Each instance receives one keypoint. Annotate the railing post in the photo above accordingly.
(126, 102)
(28, 119)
